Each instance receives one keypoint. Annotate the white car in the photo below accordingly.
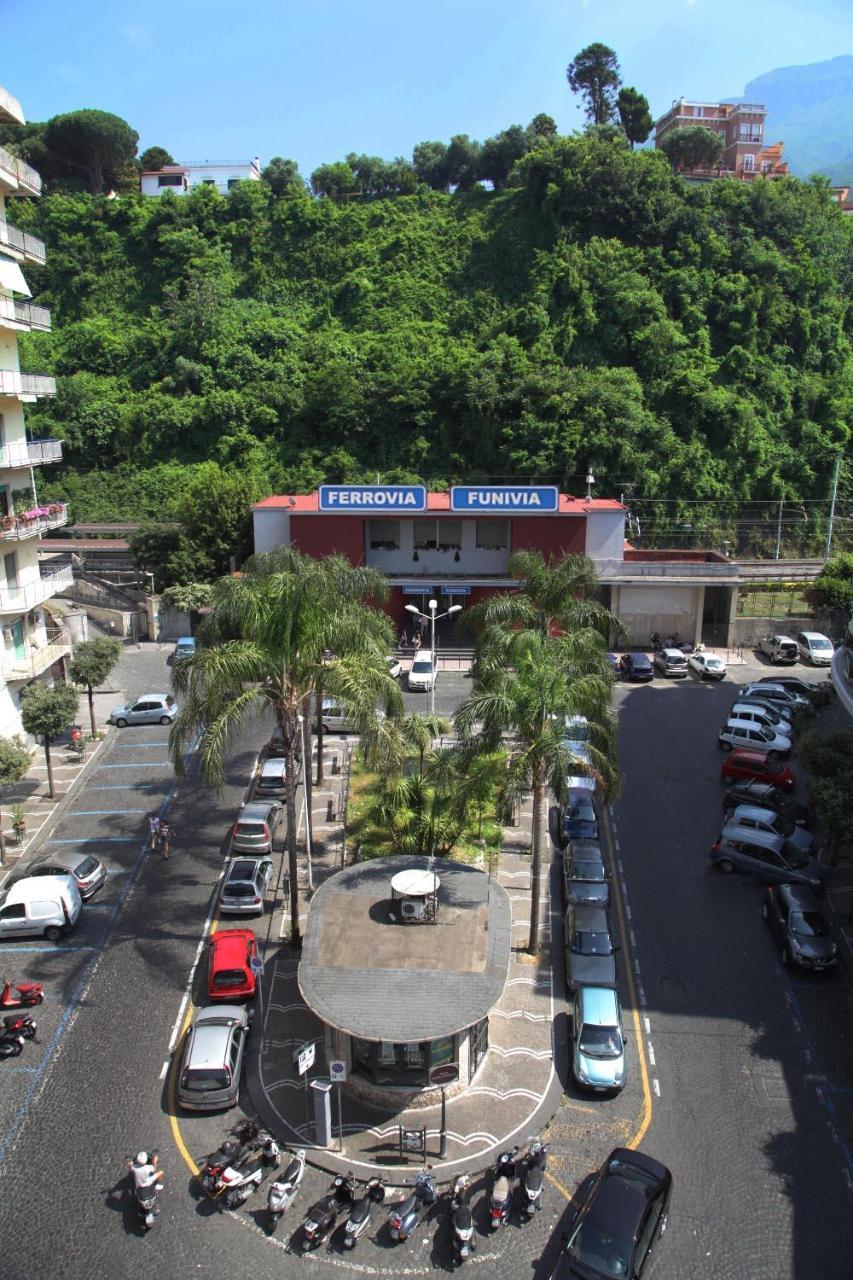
(423, 671)
(743, 733)
(708, 665)
(148, 708)
(395, 666)
(764, 715)
(815, 648)
(778, 695)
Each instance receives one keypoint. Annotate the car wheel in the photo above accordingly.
(785, 957)
(765, 914)
(726, 866)
(121, 723)
(165, 719)
(53, 933)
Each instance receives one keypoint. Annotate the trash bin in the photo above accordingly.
(322, 1090)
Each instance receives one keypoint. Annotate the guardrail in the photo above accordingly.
(30, 453)
(27, 313)
(18, 599)
(22, 172)
(15, 528)
(22, 241)
(13, 383)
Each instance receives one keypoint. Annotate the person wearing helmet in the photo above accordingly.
(144, 1169)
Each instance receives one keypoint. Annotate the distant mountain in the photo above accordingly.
(810, 109)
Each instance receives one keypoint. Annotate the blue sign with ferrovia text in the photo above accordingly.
(378, 498)
(519, 499)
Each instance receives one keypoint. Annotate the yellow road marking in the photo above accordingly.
(173, 1101)
(563, 1190)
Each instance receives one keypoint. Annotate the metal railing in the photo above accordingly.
(38, 658)
(30, 453)
(25, 175)
(16, 528)
(13, 383)
(28, 313)
(22, 241)
(50, 583)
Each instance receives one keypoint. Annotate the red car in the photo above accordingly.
(743, 763)
(229, 972)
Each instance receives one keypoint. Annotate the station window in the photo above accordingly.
(492, 535)
(449, 535)
(170, 180)
(426, 535)
(383, 535)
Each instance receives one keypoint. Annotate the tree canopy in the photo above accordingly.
(691, 146)
(594, 74)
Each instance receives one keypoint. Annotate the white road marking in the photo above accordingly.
(647, 1025)
(651, 1053)
(656, 1087)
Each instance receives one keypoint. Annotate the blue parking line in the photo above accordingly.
(21, 1071)
(142, 746)
(139, 765)
(98, 840)
(52, 948)
(124, 786)
(84, 813)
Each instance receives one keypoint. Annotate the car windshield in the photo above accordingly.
(229, 978)
(203, 1079)
(600, 1042)
(603, 1253)
(86, 868)
(588, 871)
(809, 924)
(592, 944)
(239, 889)
(421, 668)
(250, 829)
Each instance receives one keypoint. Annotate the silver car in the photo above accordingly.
(245, 886)
(88, 872)
(742, 733)
(598, 1041)
(148, 708)
(755, 818)
(270, 781)
(209, 1078)
(257, 826)
(590, 953)
(671, 662)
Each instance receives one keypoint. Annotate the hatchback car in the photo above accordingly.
(184, 648)
(815, 648)
(766, 796)
(209, 1078)
(395, 667)
(742, 733)
(149, 708)
(623, 1216)
(777, 648)
(636, 666)
(747, 763)
(707, 666)
(229, 969)
(758, 819)
(778, 694)
(578, 819)
(585, 878)
(598, 1040)
(761, 713)
(799, 924)
(794, 684)
(257, 826)
(671, 663)
(245, 886)
(88, 872)
(770, 858)
(590, 953)
(270, 779)
(423, 672)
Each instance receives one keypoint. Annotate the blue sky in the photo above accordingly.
(314, 80)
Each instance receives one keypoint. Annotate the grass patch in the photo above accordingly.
(785, 600)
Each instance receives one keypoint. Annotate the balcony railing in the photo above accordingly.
(25, 176)
(34, 317)
(13, 383)
(35, 522)
(38, 657)
(22, 242)
(49, 583)
(30, 453)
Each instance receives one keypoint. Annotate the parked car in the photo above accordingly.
(590, 953)
(671, 662)
(149, 708)
(336, 720)
(798, 922)
(185, 647)
(636, 666)
(815, 648)
(707, 666)
(761, 713)
(598, 1040)
(257, 826)
(270, 779)
(745, 763)
(741, 733)
(776, 693)
(758, 819)
(423, 672)
(209, 1079)
(88, 872)
(274, 749)
(578, 819)
(781, 649)
(229, 969)
(623, 1216)
(770, 858)
(395, 666)
(585, 878)
(794, 684)
(40, 907)
(766, 796)
(245, 886)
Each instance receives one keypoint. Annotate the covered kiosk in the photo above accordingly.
(398, 1001)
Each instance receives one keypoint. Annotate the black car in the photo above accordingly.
(578, 819)
(636, 666)
(621, 1220)
(796, 918)
(766, 796)
(794, 683)
(585, 879)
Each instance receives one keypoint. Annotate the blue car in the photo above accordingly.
(184, 648)
(578, 819)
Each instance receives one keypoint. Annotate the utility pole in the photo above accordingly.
(779, 529)
(832, 507)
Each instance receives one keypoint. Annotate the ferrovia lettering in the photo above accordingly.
(371, 498)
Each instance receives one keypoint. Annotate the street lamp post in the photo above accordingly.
(432, 618)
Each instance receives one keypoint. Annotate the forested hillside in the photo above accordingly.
(691, 342)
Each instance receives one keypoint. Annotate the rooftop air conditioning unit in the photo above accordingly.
(412, 909)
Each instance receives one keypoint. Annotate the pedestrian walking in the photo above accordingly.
(165, 839)
(154, 830)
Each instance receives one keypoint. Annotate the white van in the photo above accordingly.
(40, 906)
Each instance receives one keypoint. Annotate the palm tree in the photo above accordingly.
(263, 648)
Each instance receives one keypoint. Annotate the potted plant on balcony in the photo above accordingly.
(7, 522)
(19, 822)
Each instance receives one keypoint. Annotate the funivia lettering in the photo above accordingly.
(372, 498)
(505, 498)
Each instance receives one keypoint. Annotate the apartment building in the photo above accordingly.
(32, 647)
(181, 178)
(741, 125)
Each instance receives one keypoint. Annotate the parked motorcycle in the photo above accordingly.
(11, 1046)
(283, 1190)
(20, 995)
(247, 1138)
(240, 1180)
(461, 1225)
(19, 1024)
(502, 1188)
(406, 1216)
(534, 1178)
(359, 1215)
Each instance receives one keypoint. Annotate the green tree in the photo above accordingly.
(188, 597)
(429, 160)
(334, 181)
(283, 177)
(91, 663)
(264, 651)
(542, 126)
(463, 162)
(154, 158)
(692, 146)
(48, 711)
(96, 144)
(634, 114)
(594, 74)
(14, 762)
(833, 587)
(165, 551)
(502, 153)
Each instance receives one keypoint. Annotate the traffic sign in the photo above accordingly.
(446, 1074)
(304, 1056)
(256, 964)
(337, 1072)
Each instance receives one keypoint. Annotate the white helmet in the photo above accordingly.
(141, 1159)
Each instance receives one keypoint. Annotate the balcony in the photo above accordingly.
(26, 386)
(33, 523)
(30, 453)
(23, 177)
(48, 583)
(21, 242)
(38, 658)
(24, 315)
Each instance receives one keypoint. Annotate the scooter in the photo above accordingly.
(321, 1217)
(504, 1181)
(283, 1190)
(248, 1138)
(19, 1024)
(239, 1181)
(11, 1046)
(20, 995)
(359, 1215)
(534, 1178)
(406, 1216)
(145, 1202)
(462, 1227)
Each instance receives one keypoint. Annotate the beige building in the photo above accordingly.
(741, 125)
(31, 646)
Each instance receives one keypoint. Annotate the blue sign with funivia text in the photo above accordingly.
(519, 500)
(455, 591)
(379, 498)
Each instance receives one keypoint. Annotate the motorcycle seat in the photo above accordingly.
(533, 1178)
(462, 1217)
(290, 1172)
(500, 1191)
(360, 1210)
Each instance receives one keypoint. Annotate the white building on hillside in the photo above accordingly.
(31, 647)
(182, 178)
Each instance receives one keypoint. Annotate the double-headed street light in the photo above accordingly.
(432, 618)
